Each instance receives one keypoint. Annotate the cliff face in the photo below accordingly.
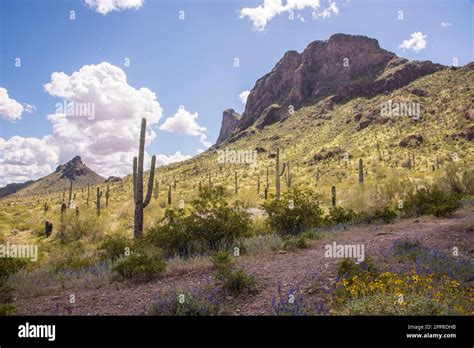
(230, 123)
(343, 67)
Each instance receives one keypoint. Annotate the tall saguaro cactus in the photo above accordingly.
(70, 194)
(333, 195)
(278, 173)
(97, 203)
(141, 203)
(361, 171)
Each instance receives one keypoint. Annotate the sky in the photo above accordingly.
(76, 76)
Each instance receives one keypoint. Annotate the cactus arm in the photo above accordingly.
(151, 179)
(282, 170)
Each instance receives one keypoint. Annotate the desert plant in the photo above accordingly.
(296, 211)
(139, 267)
(141, 203)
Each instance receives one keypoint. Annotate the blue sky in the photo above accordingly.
(188, 62)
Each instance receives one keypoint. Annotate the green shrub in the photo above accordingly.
(431, 201)
(113, 247)
(6, 293)
(385, 215)
(296, 211)
(234, 281)
(292, 243)
(139, 267)
(338, 215)
(82, 227)
(74, 256)
(183, 303)
(347, 268)
(209, 224)
(238, 282)
(7, 309)
(9, 266)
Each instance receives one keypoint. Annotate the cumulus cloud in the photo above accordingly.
(106, 142)
(106, 6)
(264, 13)
(416, 43)
(185, 122)
(165, 159)
(243, 96)
(10, 109)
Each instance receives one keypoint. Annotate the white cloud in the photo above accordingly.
(10, 109)
(264, 13)
(243, 96)
(184, 122)
(416, 43)
(177, 157)
(106, 6)
(446, 24)
(332, 9)
(107, 142)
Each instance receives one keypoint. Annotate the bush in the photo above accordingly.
(74, 256)
(339, 215)
(9, 266)
(75, 228)
(295, 212)
(184, 303)
(113, 247)
(234, 281)
(209, 225)
(347, 268)
(385, 215)
(7, 309)
(139, 267)
(431, 201)
(292, 243)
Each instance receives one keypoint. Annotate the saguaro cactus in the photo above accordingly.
(288, 175)
(45, 207)
(258, 184)
(267, 186)
(88, 189)
(169, 195)
(70, 195)
(107, 195)
(236, 183)
(48, 228)
(361, 171)
(333, 196)
(97, 203)
(63, 210)
(278, 173)
(140, 203)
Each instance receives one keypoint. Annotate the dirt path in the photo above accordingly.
(289, 268)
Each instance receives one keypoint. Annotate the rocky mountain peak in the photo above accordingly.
(342, 67)
(73, 169)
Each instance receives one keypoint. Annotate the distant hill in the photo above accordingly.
(74, 170)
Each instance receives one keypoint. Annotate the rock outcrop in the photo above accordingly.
(230, 123)
(343, 67)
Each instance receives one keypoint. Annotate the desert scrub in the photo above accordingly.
(85, 227)
(431, 201)
(208, 225)
(407, 294)
(292, 243)
(295, 212)
(234, 281)
(139, 267)
(114, 246)
(262, 244)
(185, 303)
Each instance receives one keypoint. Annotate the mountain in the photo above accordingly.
(74, 170)
(342, 68)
